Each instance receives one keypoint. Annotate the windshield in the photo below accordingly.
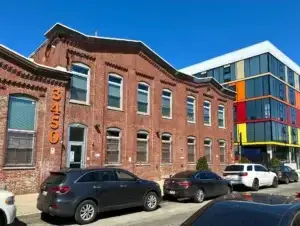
(234, 168)
(184, 174)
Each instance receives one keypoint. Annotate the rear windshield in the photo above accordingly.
(234, 168)
(55, 178)
(184, 174)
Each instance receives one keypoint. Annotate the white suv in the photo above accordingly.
(250, 175)
(7, 208)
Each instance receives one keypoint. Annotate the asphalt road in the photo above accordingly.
(169, 214)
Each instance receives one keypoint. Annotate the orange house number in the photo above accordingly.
(54, 122)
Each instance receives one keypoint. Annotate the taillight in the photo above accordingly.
(298, 195)
(61, 189)
(184, 184)
(225, 174)
(243, 174)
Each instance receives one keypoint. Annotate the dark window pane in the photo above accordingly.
(268, 131)
(123, 176)
(234, 168)
(76, 134)
(184, 174)
(250, 88)
(259, 132)
(258, 86)
(263, 63)
(250, 132)
(249, 168)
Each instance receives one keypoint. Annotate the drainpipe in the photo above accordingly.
(63, 130)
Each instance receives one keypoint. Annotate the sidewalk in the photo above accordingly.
(26, 204)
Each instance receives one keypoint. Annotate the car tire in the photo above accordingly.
(45, 216)
(286, 180)
(2, 219)
(275, 182)
(199, 196)
(86, 212)
(255, 185)
(297, 179)
(151, 201)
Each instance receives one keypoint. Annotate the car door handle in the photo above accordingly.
(96, 187)
(123, 186)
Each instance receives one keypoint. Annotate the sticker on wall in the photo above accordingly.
(72, 155)
(129, 159)
(87, 158)
(52, 151)
(97, 155)
(181, 157)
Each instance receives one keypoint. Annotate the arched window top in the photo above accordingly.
(112, 74)
(78, 125)
(113, 132)
(221, 105)
(80, 68)
(143, 131)
(191, 139)
(23, 96)
(222, 142)
(207, 102)
(142, 135)
(166, 137)
(191, 97)
(165, 91)
(207, 141)
(142, 83)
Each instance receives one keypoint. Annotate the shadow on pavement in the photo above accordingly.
(18, 223)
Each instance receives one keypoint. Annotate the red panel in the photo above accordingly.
(298, 118)
(241, 112)
(288, 115)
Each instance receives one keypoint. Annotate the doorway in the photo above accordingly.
(76, 150)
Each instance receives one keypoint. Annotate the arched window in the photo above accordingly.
(142, 139)
(21, 131)
(207, 113)
(80, 85)
(166, 104)
(113, 144)
(115, 92)
(207, 149)
(166, 155)
(222, 149)
(221, 116)
(191, 109)
(191, 143)
(143, 98)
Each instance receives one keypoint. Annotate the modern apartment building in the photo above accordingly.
(267, 107)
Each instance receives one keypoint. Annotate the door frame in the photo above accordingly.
(83, 143)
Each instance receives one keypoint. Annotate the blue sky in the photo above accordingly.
(183, 32)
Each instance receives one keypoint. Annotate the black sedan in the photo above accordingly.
(285, 174)
(247, 210)
(83, 193)
(196, 185)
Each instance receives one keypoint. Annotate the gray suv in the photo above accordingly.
(83, 193)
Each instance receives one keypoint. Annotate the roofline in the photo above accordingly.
(29, 62)
(242, 54)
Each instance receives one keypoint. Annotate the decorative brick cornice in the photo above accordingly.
(144, 75)
(116, 66)
(191, 90)
(28, 76)
(168, 83)
(208, 95)
(81, 54)
(24, 85)
(222, 100)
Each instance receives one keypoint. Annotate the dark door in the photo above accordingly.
(219, 187)
(131, 191)
(100, 185)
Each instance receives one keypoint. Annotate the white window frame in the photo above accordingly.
(147, 148)
(114, 138)
(190, 144)
(222, 144)
(210, 147)
(167, 142)
(194, 108)
(209, 108)
(121, 90)
(171, 102)
(33, 132)
(148, 97)
(221, 111)
(87, 83)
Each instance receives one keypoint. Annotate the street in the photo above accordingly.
(169, 214)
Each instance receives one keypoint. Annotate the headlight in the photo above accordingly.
(10, 200)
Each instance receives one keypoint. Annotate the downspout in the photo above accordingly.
(63, 147)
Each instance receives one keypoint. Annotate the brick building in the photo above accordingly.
(125, 106)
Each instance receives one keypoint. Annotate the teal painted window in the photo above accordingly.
(291, 77)
(143, 98)
(259, 132)
(79, 84)
(279, 132)
(256, 65)
(166, 104)
(115, 91)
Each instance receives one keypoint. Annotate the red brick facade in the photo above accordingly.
(134, 65)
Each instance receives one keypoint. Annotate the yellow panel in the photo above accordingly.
(298, 136)
(242, 128)
(240, 71)
(270, 143)
(290, 134)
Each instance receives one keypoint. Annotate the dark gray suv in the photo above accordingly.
(83, 193)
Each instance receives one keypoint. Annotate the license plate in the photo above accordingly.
(44, 193)
(172, 192)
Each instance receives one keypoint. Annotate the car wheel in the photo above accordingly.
(255, 185)
(86, 212)
(150, 201)
(45, 216)
(286, 180)
(297, 179)
(199, 197)
(275, 182)
(2, 219)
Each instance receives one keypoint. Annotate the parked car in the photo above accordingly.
(285, 174)
(7, 208)
(247, 210)
(196, 185)
(83, 193)
(250, 175)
